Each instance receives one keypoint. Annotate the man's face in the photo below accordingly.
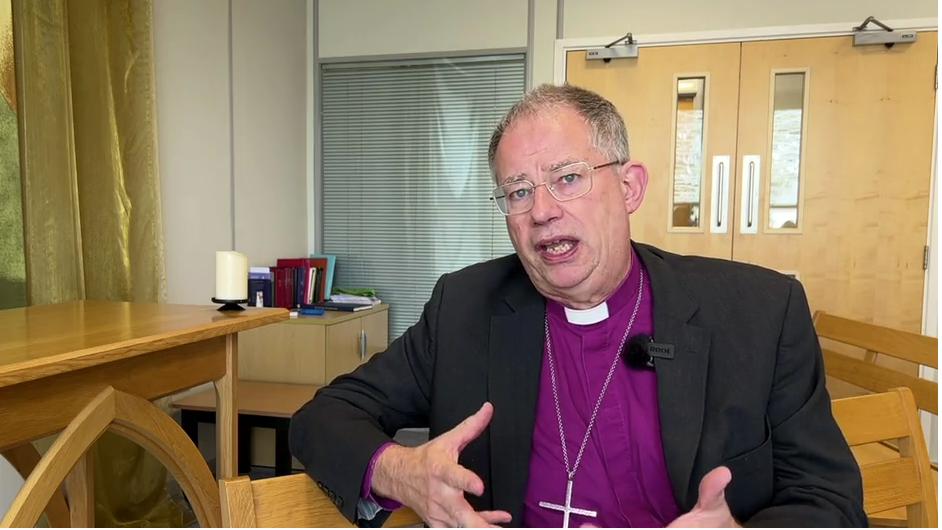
(575, 251)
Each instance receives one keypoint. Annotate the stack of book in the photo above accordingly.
(292, 282)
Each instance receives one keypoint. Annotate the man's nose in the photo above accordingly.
(545, 206)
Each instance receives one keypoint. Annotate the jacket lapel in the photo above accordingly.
(514, 360)
(682, 380)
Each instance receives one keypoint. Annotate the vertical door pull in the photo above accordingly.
(752, 172)
(719, 217)
(362, 345)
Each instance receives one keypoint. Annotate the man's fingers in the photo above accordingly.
(472, 519)
(470, 428)
(495, 516)
(461, 478)
(712, 489)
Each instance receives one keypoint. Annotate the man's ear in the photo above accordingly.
(634, 177)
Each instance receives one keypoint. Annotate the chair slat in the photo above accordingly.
(913, 347)
(870, 418)
(238, 506)
(294, 501)
(879, 379)
(291, 501)
(891, 484)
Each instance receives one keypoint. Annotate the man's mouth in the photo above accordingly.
(558, 247)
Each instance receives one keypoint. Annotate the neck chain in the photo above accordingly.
(559, 415)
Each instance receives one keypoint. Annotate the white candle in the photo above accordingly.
(232, 275)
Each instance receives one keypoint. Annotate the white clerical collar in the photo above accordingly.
(584, 317)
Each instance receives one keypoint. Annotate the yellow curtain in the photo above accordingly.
(84, 102)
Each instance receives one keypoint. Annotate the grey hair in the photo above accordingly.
(609, 134)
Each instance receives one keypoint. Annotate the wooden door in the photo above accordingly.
(679, 104)
(835, 149)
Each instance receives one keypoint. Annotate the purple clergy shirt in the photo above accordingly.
(622, 475)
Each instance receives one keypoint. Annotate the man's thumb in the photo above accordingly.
(472, 426)
(712, 489)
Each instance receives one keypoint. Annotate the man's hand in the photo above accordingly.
(711, 510)
(429, 480)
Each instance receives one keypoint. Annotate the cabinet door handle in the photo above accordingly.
(362, 345)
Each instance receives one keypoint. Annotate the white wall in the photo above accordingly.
(369, 28)
(216, 136)
(376, 27)
(269, 69)
(191, 56)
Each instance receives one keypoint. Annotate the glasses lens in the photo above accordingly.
(514, 198)
(571, 182)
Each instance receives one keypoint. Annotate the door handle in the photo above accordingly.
(752, 170)
(363, 340)
(719, 219)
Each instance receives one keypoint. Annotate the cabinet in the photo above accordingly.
(810, 156)
(313, 349)
(309, 350)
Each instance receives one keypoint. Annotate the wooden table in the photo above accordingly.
(260, 404)
(88, 366)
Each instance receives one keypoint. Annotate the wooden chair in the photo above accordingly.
(897, 482)
(879, 340)
(291, 501)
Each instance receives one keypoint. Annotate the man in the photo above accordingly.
(588, 380)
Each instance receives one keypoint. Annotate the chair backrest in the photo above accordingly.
(900, 482)
(290, 501)
(879, 340)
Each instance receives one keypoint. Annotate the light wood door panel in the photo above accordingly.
(343, 343)
(283, 353)
(863, 197)
(645, 91)
(375, 329)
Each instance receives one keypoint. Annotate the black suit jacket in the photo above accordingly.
(745, 389)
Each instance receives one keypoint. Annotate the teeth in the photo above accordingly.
(559, 247)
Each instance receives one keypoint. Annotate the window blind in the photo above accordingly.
(405, 175)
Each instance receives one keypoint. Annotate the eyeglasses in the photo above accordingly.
(564, 184)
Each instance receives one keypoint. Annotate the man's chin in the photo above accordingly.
(565, 280)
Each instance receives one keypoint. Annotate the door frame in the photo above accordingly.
(563, 46)
(930, 312)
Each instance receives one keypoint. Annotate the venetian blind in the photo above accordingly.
(405, 175)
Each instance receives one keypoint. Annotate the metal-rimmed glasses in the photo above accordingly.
(564, 184)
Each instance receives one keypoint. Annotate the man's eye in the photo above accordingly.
(520, 193)
(570, 178)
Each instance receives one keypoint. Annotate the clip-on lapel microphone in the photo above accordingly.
(641, 350)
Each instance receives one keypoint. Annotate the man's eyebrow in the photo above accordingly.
(549, 168)
(562, 163)
(513, 178)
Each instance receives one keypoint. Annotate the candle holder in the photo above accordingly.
(230, 305)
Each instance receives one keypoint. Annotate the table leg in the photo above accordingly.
(227, 418)
(282, 451)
